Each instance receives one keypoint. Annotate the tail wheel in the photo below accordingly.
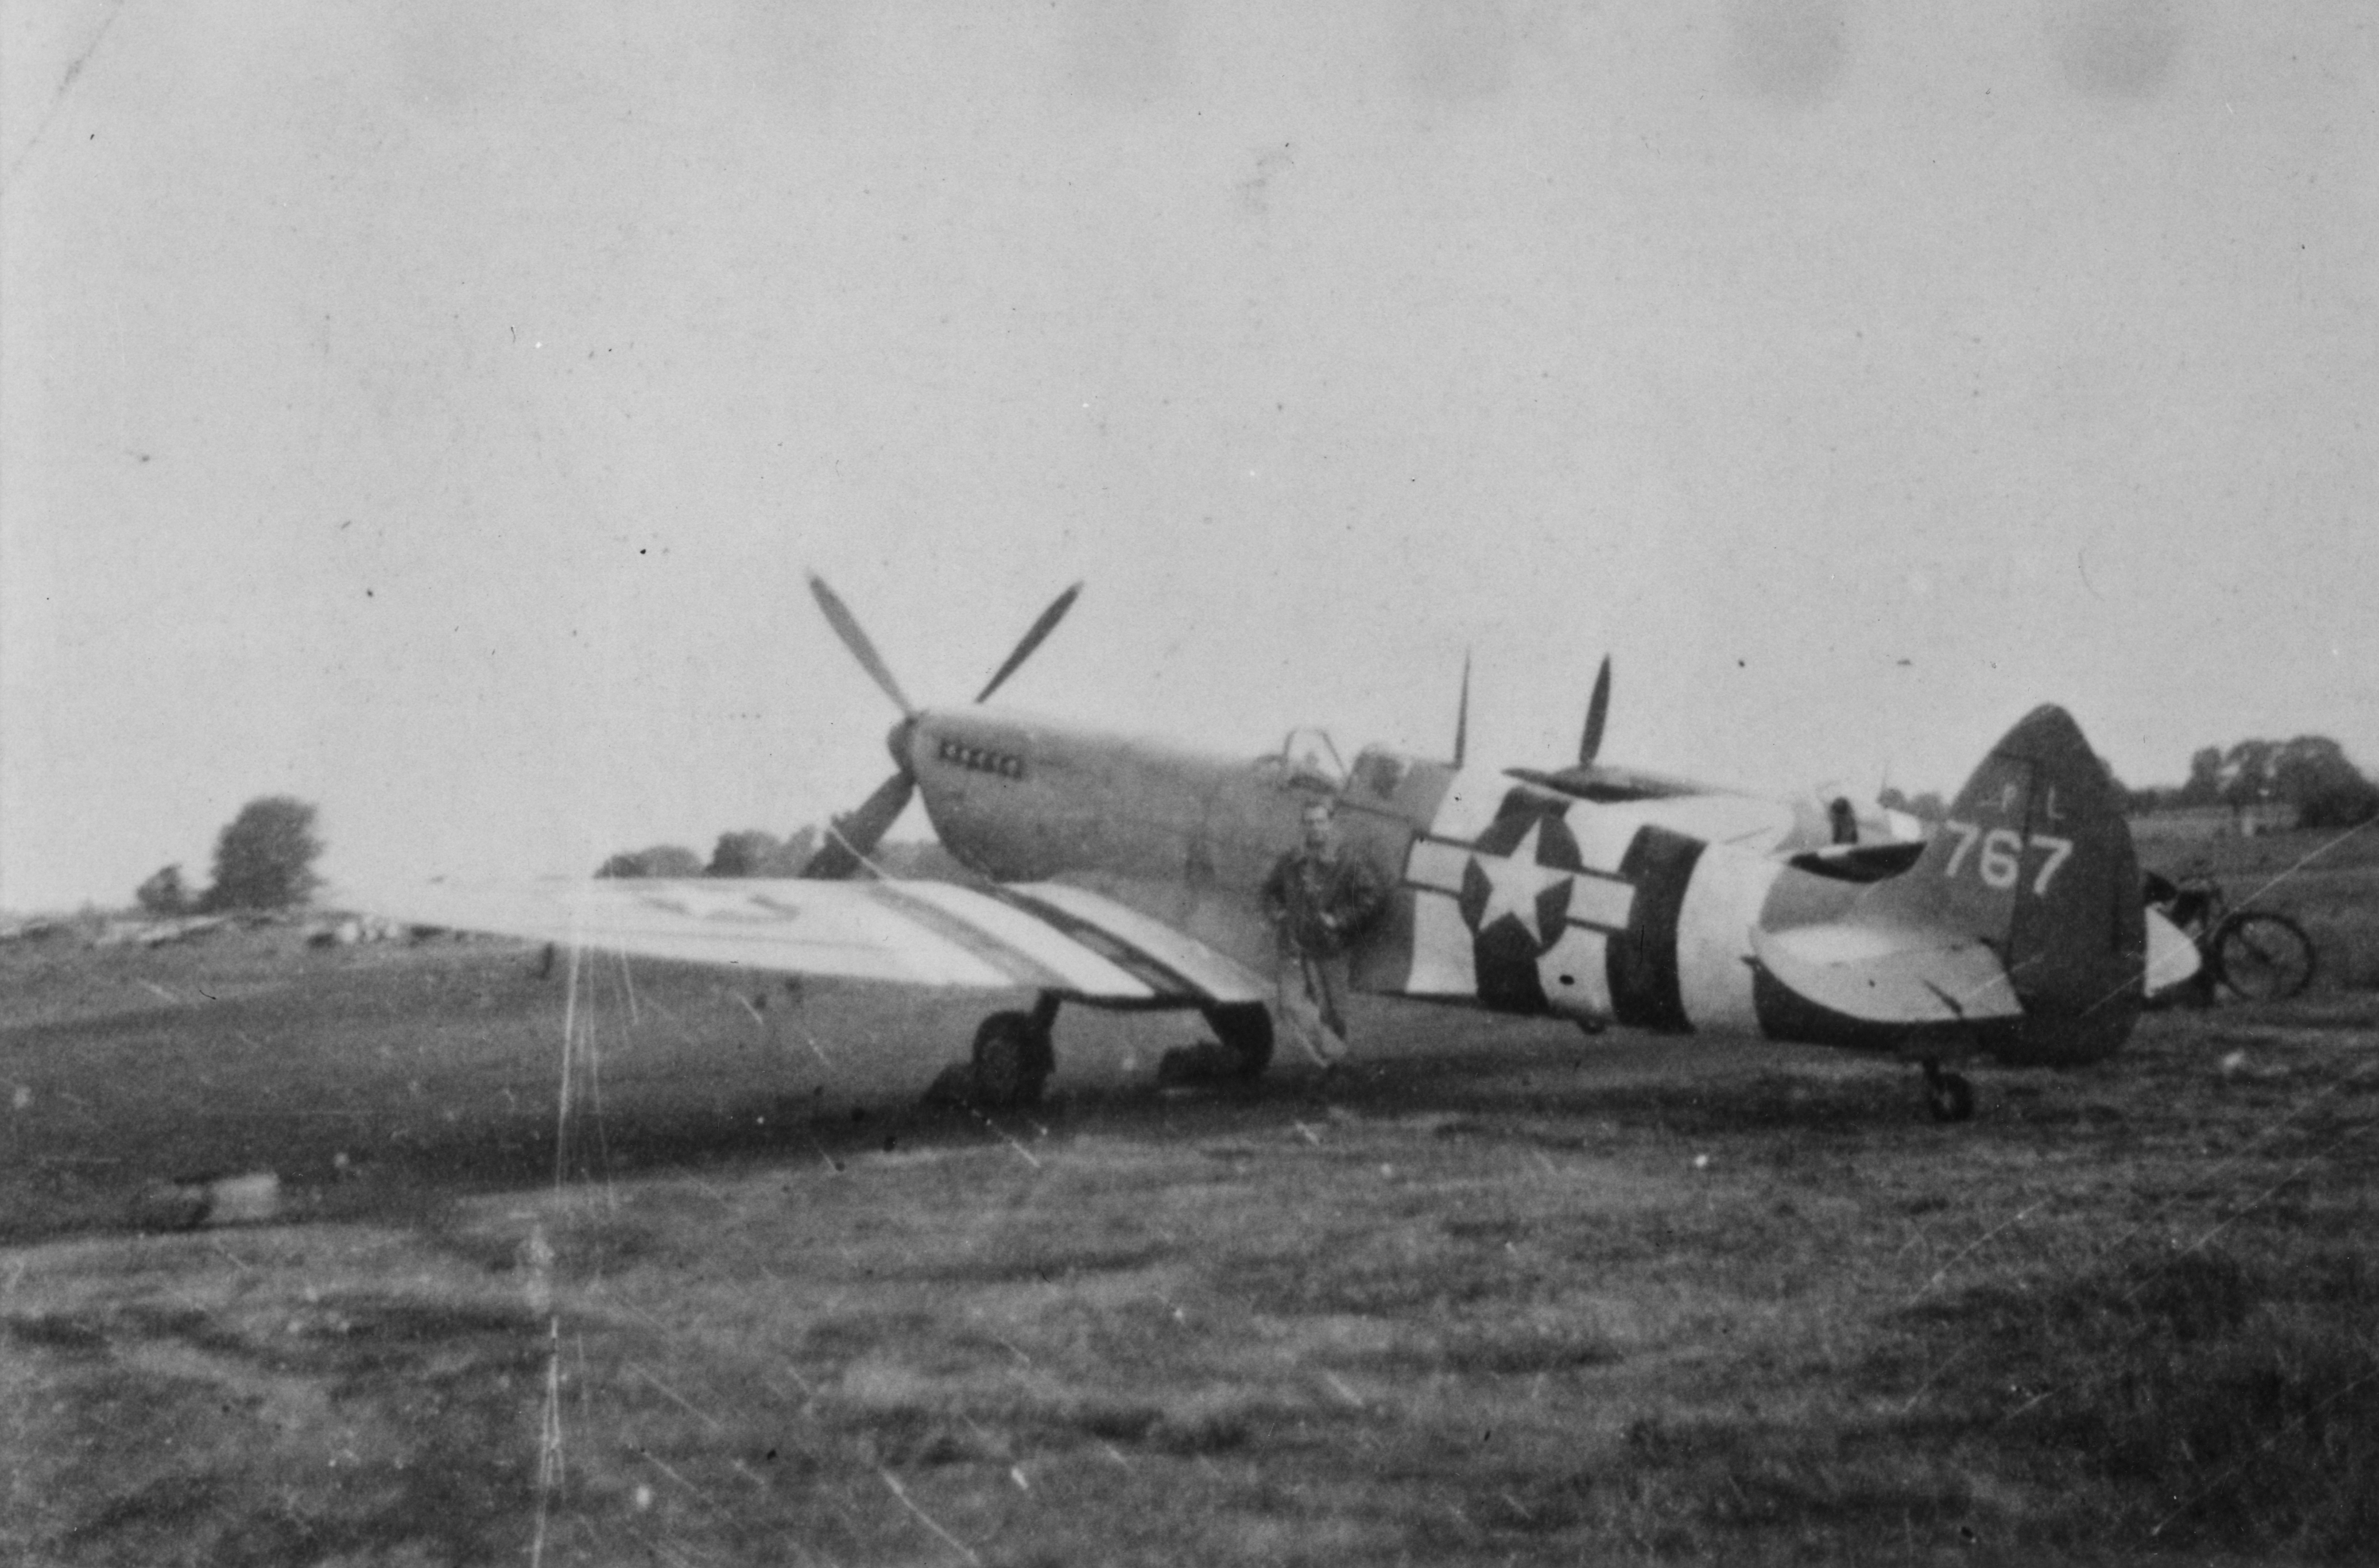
(1245, 1031)
(1013, 1059)
(2263, 956)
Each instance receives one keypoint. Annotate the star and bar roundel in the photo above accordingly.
(1535, 911)
(1522, 873)
(1524, 881)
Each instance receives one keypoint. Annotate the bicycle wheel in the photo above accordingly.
(2263, 957)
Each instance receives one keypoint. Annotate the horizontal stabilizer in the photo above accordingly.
(2172, 957)
(1861, 863)
(2016, 933)
(1886, 975)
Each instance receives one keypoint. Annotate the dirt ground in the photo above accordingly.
(699, 1283)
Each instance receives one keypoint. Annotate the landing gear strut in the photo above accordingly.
(1947, 1095)
(1013, 1057)
(1239, 1052)
(1245, 1031)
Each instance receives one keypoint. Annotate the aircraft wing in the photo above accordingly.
(1040, 937)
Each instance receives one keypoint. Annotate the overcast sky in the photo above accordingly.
(429, 409)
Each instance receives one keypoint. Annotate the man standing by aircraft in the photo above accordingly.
(1320, 899)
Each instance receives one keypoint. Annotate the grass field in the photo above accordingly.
(1500, 1292)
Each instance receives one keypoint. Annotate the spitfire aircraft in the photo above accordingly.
(1124, 872)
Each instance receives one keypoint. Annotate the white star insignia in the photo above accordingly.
(1513, 884)
(704, 904)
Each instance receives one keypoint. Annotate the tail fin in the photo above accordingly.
(2035, 863)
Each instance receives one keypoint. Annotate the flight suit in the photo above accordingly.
(1321, 901)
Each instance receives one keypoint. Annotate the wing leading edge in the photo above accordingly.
(1046, 938)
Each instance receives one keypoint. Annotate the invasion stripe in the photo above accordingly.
(1038, 954)
(1444, 957)
(1142, 965)
(1475, 799)
(1645, 989)
(1203, 968)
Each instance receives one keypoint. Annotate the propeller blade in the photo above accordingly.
(1597, 709)
(846, 626)
(1462, 714)
(1033, 639)
(855, 834)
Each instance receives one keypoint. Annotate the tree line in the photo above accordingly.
(264, 857)
(744, 852)
(2312, 773)
(264, 860)
(751, 853)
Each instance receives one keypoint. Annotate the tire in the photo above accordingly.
(2263, 957)
(1012, 1061)
(1245, 1031)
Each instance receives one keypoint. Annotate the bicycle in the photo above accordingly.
(2259, 955)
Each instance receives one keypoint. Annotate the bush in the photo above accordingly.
(755, 854)
(661, 859)
(163, 894)
(264, 860)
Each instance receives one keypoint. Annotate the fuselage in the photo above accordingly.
(2016, 931)
(1505, 895)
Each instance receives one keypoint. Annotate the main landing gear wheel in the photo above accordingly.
(1238, 1054)
(2262, 955)
(1245, 1031)
(1948, 1096)
(1013, 1059)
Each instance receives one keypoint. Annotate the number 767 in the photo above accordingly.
(2001, 860)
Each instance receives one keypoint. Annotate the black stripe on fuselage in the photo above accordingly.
(1528, 802)
(1642, 961)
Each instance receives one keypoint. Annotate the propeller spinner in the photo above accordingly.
(852, 836)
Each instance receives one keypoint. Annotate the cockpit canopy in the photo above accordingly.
(1307, 760)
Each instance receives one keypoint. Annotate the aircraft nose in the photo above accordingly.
(895, 741)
